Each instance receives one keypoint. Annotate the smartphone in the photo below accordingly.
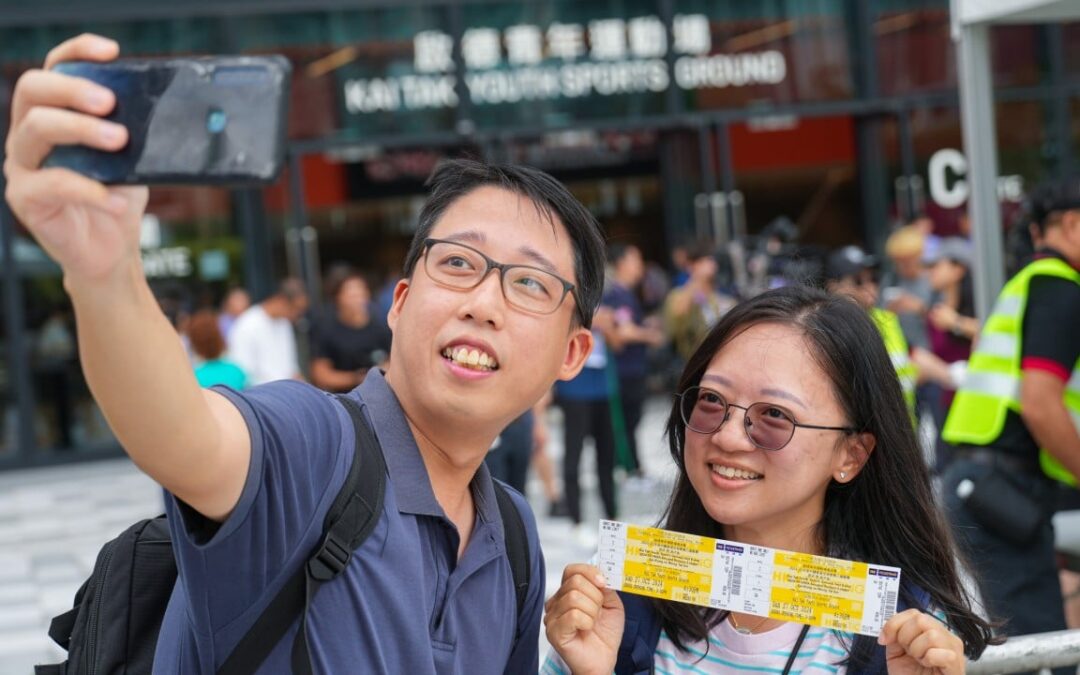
(217, 120)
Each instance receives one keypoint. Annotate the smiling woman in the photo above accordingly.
(790, 431)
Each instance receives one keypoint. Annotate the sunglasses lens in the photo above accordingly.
(769, 427)
(703, 410)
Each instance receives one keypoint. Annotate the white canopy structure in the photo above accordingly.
(971, 32)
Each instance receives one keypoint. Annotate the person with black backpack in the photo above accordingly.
(500, 284)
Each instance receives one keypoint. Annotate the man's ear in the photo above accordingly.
(1070, 222)
(578, 347)
(856, 453)
(401, 291)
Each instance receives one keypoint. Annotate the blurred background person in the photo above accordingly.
(680, 263)
(905, 289)
(587, 413)
(906, 292)
(510, 454)
(541, 460)
(629, 340)
(348, 341)
(208, 345)
(951, 327)
(523, 444)
(236, 302)
(262, 341)
(851, 271)
(691, 309)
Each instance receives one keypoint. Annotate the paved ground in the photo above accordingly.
(54, 520)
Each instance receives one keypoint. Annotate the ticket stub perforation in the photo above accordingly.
(844, 595)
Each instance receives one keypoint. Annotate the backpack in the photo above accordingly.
(114, 623)
(641, 633)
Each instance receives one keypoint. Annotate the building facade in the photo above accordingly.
(673, 120)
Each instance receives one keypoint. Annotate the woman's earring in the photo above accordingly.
(843, 475)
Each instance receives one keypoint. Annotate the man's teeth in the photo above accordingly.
(731, 472)
(472, 358)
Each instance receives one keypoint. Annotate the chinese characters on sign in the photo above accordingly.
(566, 60)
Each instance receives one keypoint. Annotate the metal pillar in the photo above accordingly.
(980, 147)
(12, 307)
(299, 236)
(255, 231)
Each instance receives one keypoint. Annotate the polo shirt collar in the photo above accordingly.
(405, 466)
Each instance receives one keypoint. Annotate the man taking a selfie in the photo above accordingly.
(500, 285)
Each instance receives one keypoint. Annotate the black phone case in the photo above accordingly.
(209, 120)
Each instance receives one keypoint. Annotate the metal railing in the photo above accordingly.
(1029, 652)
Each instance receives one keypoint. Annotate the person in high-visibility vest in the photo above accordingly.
(1019, 399)
(850, 271)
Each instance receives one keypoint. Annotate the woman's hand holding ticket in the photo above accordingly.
(584, 621)
(917, 643)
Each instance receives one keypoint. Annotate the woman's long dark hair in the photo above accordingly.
(887, 514)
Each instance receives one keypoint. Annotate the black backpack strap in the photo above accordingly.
(350, 520)
(517, 543)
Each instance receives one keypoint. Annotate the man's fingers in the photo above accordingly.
(46, 88)
(44, 128)
(85, 47)
(61, 186)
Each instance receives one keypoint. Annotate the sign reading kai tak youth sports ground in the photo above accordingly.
(524, 62)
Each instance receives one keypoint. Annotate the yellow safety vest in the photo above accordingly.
(991, 387)
(888, 325)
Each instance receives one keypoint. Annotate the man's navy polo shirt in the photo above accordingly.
(405, 603)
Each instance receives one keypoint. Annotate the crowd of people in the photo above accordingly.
(793, 425)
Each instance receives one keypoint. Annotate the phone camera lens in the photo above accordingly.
(216, 121)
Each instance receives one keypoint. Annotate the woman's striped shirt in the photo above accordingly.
(730, 652)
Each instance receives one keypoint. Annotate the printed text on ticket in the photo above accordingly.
(838, 594)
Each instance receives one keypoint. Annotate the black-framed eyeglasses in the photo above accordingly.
(768, 426)
(527, 288)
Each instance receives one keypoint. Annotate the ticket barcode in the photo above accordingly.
(844, 595)
(890, 605)
(736, 581)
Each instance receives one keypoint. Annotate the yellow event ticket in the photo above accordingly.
(843, 595)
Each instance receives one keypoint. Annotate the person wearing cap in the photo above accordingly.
(850, 271)
(1018, 404)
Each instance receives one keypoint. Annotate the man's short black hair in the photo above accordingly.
(453, 179)
(617, 250)
(1053, 197)
(292, 289)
